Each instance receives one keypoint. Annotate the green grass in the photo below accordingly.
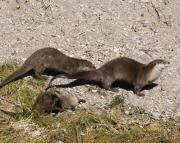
(139, 110)
(117, 101)
(93, 125)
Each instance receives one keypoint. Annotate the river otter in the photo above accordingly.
(49, 61)
(54, 102)
(123, 69)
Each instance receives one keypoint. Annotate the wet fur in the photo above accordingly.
(123, 69)
(49, 61)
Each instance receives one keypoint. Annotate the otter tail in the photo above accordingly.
(15, 76)
(86, 75)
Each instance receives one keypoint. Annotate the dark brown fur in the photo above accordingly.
(51, 102)
(49, 61)
(47, 102)
(123, 69)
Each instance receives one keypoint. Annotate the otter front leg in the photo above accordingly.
(40, 76)
(52, 79)
(38, 73)
(50, 82)
(137, 90)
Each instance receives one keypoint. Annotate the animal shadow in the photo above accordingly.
(130, 87)
(78, 82)
(117, 84)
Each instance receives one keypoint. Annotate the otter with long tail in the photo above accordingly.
(49, 61)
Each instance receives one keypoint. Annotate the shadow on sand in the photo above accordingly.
(117, 84)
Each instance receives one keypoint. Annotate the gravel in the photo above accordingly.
(100, 31)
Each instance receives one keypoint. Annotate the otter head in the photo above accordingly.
(85, 65)
(69, 101)
(154, 69)
(149, 73)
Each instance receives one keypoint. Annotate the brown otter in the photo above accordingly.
(54, 102)
(49, 61)
(47, 103)
(123, 69)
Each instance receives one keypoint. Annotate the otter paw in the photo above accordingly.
(140, 94)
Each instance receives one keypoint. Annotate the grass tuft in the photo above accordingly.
(117, 101)
(139, 110)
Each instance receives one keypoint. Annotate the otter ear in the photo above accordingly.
(82, 101)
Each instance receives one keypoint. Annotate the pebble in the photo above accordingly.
(127, 112)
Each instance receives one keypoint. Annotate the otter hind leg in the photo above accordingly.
(137, 90)
(107, 82)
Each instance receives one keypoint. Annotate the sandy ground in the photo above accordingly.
(100, 30)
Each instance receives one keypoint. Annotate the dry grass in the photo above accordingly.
(93, 125)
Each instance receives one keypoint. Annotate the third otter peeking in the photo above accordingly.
(55, 102)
